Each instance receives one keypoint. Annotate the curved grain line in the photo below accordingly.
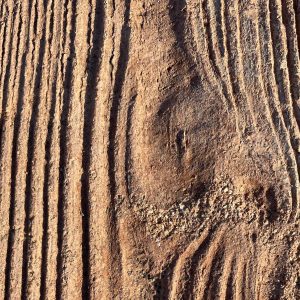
(282, 80)
(272, 114)
(284, 99)
(277, 118)
(264, 69)
(200, 44)
(114, 242)
(213, 288)
(191, 253)
(222, 32)
(193, 281)
(218, 9)
(288, 18)
(201, 283)
(214, 58)
(185, 275)
(227, 281)
(232, 25)
(214, 12)
(251, 63)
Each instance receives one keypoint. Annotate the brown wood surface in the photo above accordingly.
(149, 149)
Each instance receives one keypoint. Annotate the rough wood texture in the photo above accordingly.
(149, 149)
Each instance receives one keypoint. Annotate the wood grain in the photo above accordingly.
(149, 149)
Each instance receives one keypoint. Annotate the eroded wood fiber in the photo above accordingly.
(149, 149)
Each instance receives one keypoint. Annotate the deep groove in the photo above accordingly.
(1, 9)
(30, 156)
(44, 270)
(208, 31)
(45, 245)
(128, 146)
(113, 122)
(60, 203)
(162, 286)
(94, 62)
(213, 286)
(244, 283)
(230, 287)
(63, 143)
(194, 261)
(297, 17)
(218, 9)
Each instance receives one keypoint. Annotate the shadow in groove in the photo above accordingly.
(63, 144)
(93, 69)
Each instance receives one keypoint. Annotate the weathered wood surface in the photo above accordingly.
(149, 149)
